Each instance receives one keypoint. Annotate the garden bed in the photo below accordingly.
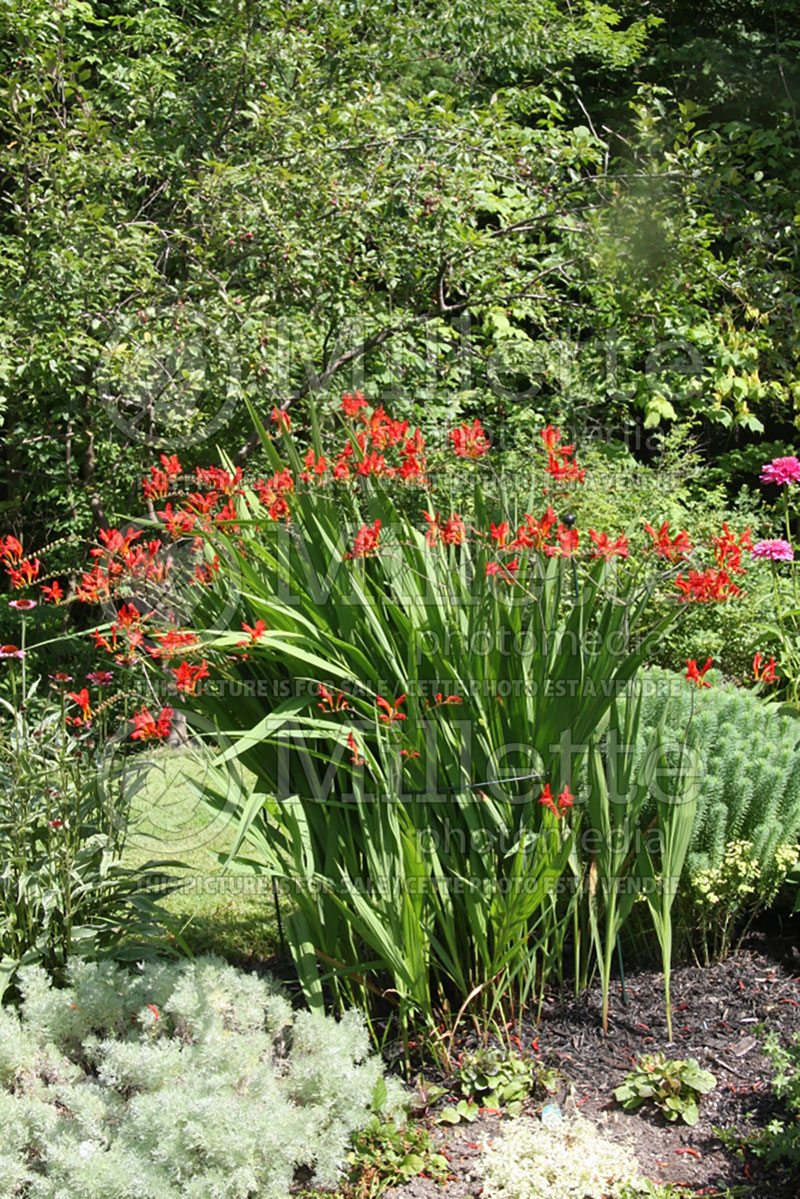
(717, 1014)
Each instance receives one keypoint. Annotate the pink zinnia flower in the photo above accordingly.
(781, 470)
(774, 548)
(22, 605)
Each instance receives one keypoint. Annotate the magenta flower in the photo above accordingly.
(101, 678)
(781, 470)
(773, 548)
(22, 605)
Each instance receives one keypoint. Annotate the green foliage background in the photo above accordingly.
(519, 209)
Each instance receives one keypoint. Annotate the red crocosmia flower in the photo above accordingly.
(25, 573)
(255, 632)
(205, 572)
(22, 605)
(101, 678)
(188, 676)
(52, 593)
(607, 549)
(470, 441)
(103, 643)
(391, 710)
(280, 509)
(366, 541)
(434, 531)
(444, 699)
(157, 486)
(693, 675)
(671, 548)
(179, 523)
(567, 544)
(352, 405)
(115, 542)
(565, 800)
(728, 549)
(171, 465)
(372, 464)
(706, 586)
(81, 698)
(10, 550)
(204, 505)
(500, 533)
(11, 651)
(219, 479)
(153, 1009)
(551, 438)
(409, 753)
(562, 468)
(765, 674)
(328, 703)
(281, 420)
(313, 465)
(534, 534)
(454, 531)
(504, 571)
(559, 458)
(282, 481)
(128, 616)
(413, 467)
(172, 643)
(546, 799)
(356, 759)
(147, 728)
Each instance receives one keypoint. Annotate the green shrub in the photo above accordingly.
(748, 815)
(620, 492)
(63, 887)
(179, 1080)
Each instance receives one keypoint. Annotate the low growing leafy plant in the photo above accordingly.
(491, 1078)
(386, 1155)
(674, 1086)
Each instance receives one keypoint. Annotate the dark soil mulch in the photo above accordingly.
(716, 1016)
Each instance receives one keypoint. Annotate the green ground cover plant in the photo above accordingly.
(564, 1160)
(672, 1085)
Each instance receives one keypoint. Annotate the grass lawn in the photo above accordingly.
(216, 912)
